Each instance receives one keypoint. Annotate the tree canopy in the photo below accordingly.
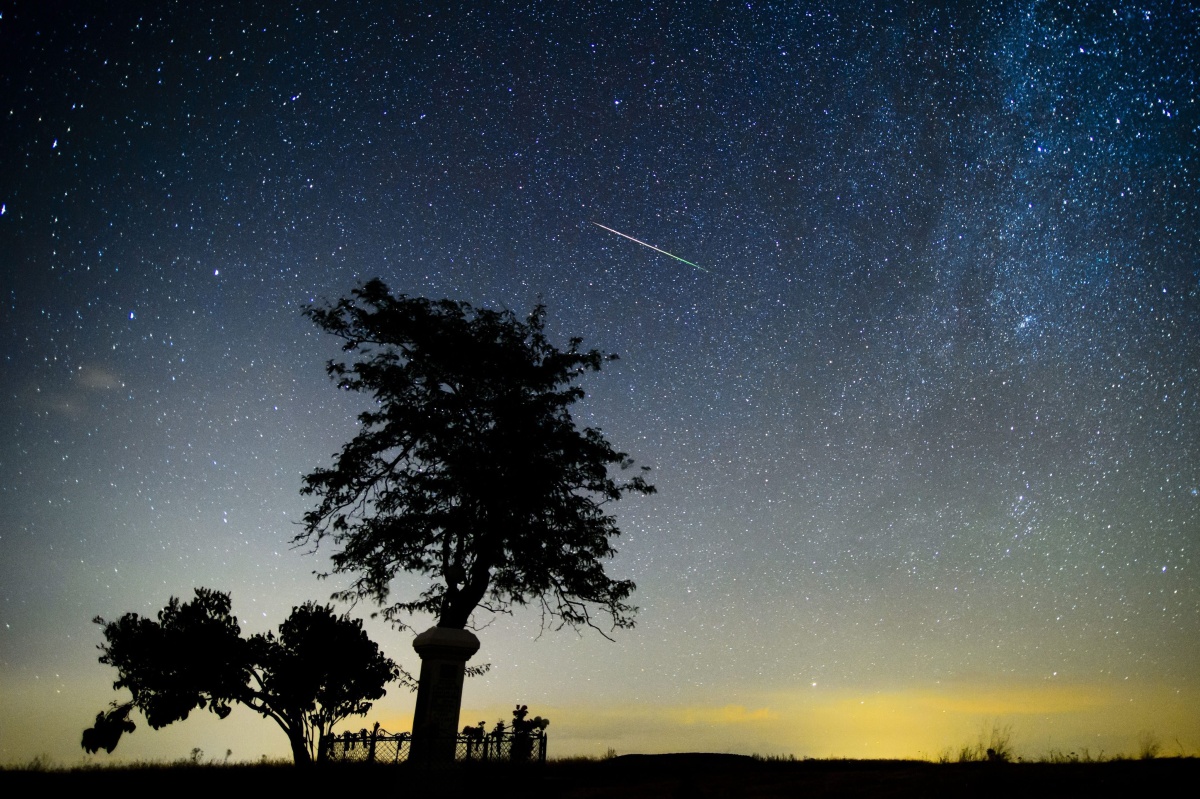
(469, 468)
(319, 669)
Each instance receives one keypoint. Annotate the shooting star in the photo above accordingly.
(651, 246)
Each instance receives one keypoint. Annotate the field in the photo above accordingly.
(676, 776)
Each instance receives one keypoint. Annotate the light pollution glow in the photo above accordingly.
(921, 723)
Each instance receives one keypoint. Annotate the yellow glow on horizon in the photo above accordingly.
(898, 722)
(729, 714)
(921, 722)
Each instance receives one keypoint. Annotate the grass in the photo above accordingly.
(994, 745)
(626, 776)
(46, 764)
(1149, 747)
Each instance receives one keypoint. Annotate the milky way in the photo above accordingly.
(926, 426)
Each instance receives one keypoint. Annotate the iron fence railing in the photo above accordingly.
(510, 747)
(366, 746)
(382, 746)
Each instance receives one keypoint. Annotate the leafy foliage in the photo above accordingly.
(192, 657)
(320, 668)
(109, 727)
(469, 468)
(526, 726)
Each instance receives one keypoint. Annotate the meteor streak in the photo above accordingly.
(651, 246)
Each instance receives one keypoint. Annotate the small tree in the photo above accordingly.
(320, 668)
(469, 468)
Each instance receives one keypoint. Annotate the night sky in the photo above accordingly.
(924, 422)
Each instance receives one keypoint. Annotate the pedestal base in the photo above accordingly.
(444, 653)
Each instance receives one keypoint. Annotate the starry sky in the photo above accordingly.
(924, 423)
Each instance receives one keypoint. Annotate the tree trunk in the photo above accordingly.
(300, 752)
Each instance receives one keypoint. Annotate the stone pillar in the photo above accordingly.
(444, 654)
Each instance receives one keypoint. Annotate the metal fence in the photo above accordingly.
(379, 746)
(509, 747)
(384, 747)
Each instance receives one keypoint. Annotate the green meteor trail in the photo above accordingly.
(651, 246)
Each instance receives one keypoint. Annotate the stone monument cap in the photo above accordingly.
(446, 642)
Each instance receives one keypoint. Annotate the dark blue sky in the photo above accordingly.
(928, 422)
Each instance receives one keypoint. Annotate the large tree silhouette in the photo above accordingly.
(320, 668)
(468, 468)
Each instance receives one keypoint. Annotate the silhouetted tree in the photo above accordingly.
(469, 468)
(319, 669)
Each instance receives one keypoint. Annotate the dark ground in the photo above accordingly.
(634, 776)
